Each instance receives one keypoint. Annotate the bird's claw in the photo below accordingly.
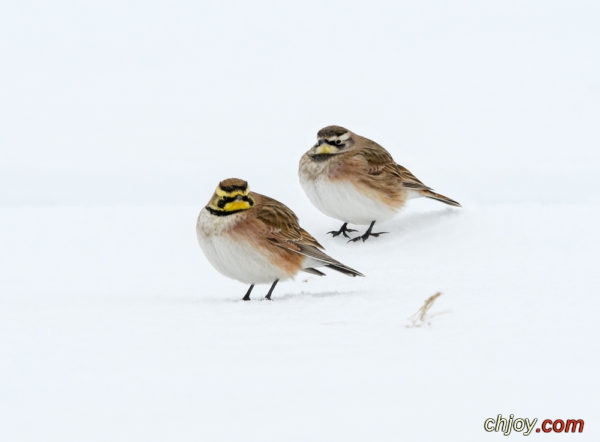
(343, 231)
(366, 236)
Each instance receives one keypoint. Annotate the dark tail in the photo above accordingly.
(438, 197)
(324, 260)
(344, 269)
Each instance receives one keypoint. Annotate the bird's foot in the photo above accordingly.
(343, 231)
(366, 236)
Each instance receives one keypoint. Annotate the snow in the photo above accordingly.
(119, 121)
(116, 328)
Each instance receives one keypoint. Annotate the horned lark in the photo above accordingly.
(255, 239)
(357, 181)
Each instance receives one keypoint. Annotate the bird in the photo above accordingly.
(256, 239)
(354, 179)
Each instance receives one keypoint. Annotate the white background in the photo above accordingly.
(117, 122)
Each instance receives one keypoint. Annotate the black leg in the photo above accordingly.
(367, 234)
(343, 231)
(247, 295)
(271, 289)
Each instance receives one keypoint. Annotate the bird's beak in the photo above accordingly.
(325, 148)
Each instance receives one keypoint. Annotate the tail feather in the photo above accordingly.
(313, 271)
(344, 269)
(325, 260)
(317, 258)
(439, 197)
(410, 181)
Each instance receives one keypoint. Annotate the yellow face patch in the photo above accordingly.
(326, 149)
(237, 205)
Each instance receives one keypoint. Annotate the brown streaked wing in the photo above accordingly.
(281, 222)
(376, 156)
(284, 231)
(381, 162)
(376, 160)
(409, 180)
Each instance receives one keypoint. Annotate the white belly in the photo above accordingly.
(341, 200)
(234, 259)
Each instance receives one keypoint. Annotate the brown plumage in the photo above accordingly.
(254, 238)
(348, 177)
(278, 224)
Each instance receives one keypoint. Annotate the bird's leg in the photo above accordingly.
(343, 231)
(247, 295)
(271, 289)
(367, 234)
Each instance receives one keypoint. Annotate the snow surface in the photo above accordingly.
(119, 120)
(116, 328)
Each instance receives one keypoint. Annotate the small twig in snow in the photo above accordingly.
(420, 318)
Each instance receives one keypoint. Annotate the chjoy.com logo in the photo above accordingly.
(527, 426)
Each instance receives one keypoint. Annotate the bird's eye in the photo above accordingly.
(338, 142)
